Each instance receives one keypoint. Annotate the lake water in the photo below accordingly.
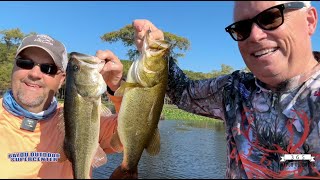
(189, 150)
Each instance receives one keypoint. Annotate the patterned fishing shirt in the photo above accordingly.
(269, 134)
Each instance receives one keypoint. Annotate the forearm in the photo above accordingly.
(177, 82)
(203, 97)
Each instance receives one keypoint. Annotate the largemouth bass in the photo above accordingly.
(142, 103)
(82, 110)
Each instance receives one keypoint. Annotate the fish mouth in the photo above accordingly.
(97, 64)
(88, 60)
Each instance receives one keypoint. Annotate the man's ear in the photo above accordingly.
(312, 18)
(62, 80)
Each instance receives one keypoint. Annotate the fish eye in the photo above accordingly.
(75, 68)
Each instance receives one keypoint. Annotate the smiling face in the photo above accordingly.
(33, 89)
(274, 56)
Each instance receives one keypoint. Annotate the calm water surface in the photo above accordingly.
(189, 150)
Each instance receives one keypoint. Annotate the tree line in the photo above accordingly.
(11, 38)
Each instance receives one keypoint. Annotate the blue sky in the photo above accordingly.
(79, 25)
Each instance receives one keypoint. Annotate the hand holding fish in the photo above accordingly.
(112, 70)
(141, 26)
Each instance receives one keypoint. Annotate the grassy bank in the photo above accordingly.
(172, 112)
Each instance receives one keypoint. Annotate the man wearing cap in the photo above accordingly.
(30, 115)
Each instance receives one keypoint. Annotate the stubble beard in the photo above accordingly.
(28, 101)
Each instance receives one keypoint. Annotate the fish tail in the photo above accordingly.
(122, 173)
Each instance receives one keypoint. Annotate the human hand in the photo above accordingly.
(141, 26)
(112, 69)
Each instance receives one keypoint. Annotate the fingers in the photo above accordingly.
(112, 70)
(108, 56)
(141, 26)
(112, 61)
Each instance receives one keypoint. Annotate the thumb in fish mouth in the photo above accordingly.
(121, 173)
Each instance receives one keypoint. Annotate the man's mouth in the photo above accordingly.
(264, 52)
(33, 85)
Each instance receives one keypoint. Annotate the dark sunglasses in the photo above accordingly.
(50, 69)
(269, 19)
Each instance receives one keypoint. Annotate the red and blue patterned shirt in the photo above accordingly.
(261, 125)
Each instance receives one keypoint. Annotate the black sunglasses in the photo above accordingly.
(269, 19)
(50, 69)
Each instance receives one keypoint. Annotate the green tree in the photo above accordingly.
(5, 74)
(9, 42)
(246, 69)
(126, 36)
(195, 75)
(12, 37)
(126, 65)
(6, 64)
(225, 69)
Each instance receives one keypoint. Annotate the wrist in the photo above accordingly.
(112, 88)
(111, 92)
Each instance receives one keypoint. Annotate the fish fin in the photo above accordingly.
(116, 143)
(122, 173)
(153, 147)
(121, 89)
(124, 85)
(105, 111)
(100, 158)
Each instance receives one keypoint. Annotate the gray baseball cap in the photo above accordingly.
(55, 48)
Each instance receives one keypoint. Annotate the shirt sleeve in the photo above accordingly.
(108, 127)
(202, 97)
(116, 100)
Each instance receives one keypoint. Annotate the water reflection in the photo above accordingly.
(189, 149)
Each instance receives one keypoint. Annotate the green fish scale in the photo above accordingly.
(138, 119)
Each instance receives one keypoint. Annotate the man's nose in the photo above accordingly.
(257, 33)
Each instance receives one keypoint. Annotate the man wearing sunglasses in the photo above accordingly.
(30, 115)
(271, 114)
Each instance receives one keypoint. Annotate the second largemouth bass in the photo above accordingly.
(142, 103)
